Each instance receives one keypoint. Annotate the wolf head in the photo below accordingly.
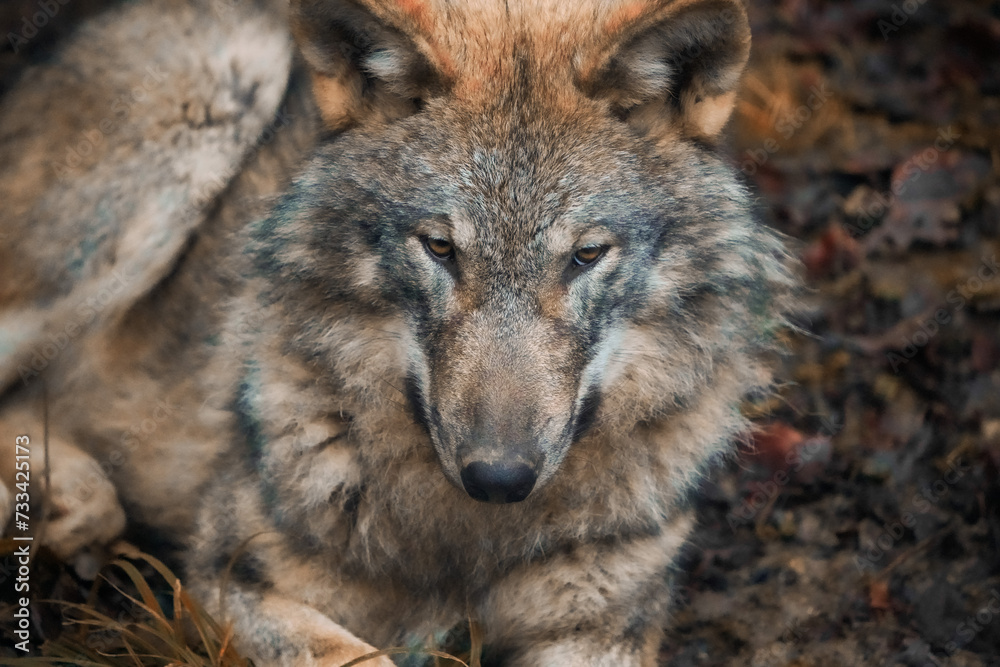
(525, 195)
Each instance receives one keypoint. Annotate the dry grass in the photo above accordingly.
(150, 635)
(164, 626)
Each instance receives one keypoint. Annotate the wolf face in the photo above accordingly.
(519, 242)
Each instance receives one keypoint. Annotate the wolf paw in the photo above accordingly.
(342, 659)
(83, 507)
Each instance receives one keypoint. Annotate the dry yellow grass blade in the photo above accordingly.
(157, 638)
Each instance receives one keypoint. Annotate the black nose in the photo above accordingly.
(498, 482)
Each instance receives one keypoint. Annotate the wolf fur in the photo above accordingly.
(513, 269)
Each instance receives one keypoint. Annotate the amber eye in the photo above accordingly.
(439, 247)
(588, 255)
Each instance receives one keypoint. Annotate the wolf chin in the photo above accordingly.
(435, 310)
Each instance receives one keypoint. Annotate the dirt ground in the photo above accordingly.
(861, 524)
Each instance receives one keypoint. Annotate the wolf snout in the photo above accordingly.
(499, 481)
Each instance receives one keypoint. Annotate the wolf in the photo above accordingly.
(454, 340)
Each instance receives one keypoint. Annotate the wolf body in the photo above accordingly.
(469, 364)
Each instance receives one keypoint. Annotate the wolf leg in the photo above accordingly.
(276, 631)
(597, 605)
(81, 505)
(245, 571)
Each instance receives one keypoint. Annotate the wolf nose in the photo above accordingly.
(498, 482)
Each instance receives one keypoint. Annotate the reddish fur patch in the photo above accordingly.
(624, 17)
(445, 63)
(418, 12)
(421, 16)
(617, 23)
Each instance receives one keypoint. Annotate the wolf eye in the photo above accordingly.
(588, 255)
(439, 248)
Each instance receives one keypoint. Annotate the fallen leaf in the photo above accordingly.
(878, 596)
(927, 191)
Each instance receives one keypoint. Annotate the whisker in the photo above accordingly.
(400, 391)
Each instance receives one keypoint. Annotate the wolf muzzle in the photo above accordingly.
(498, 482)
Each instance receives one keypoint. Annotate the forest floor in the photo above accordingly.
(862, 525)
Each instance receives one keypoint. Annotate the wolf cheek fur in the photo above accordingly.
(518, 273)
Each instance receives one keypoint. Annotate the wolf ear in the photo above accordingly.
(368, 58)
(675, 68)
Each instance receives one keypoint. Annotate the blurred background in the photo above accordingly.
(861, 524)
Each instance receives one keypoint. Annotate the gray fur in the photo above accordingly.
(338, 380)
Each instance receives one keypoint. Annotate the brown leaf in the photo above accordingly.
(878, 596)
(927, 193)
(834, 252)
